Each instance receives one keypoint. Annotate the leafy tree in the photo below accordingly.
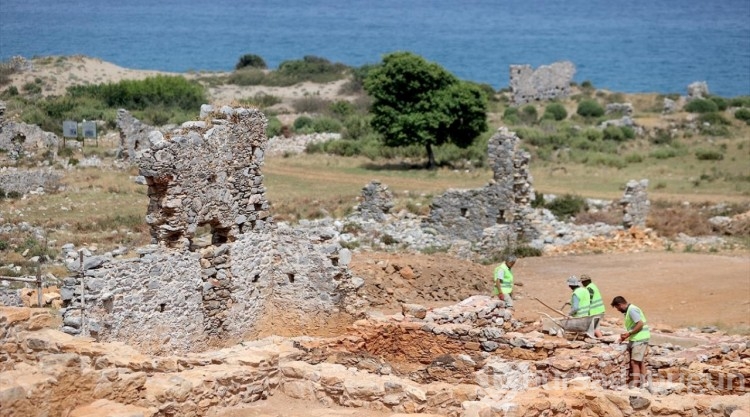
(419, 102)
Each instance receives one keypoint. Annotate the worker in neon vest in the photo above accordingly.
(580, 299)
(637, 336)
(597, 304)
(503, 281)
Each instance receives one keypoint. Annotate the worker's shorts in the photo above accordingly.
(638, 350)
(508, 301)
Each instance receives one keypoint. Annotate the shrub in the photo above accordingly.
(510, 113)
(274, 127)
(741, 101)
(663, 153)
(343, 147)
(633, 158)
(356, 126)
(168, 91)
(590, 108)
(708, 155)
(566, 206)
(302, 123)
(247, 76)
(311, 104)
(11, 91)
(701, 105)
(311, 68)
(326, 125)
(251, 61)
(341, 109)
(555, 111)
(714, 118)
(720, 102)
(261, 100)
(32, 88)
(661, 137)
(528, 114)
(614, 133)
(743, 114)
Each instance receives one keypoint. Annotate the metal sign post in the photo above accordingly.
(70, 130)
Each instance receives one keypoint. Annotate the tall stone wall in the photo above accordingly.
(502, 207)
(186, 293)
(545, 83)
(635, 203)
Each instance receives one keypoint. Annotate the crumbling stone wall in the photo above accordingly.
(23, 140)
(24, 181)
(503, 207)
(133, 135)
(545, 83)
(635, 204)
(376, 201)
(696, 90)
(184, 293)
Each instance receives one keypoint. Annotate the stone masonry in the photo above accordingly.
(501, 208)
(377, 201)
(23, 181)
(545, 83)
(185, 292)
(635, 204)
(133, 135)
(23, 140)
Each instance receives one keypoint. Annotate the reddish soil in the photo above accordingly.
(673, 289)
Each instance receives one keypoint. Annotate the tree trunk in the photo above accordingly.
(430, 157)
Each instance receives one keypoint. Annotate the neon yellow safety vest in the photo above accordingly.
(502, 272)
(644, 333)
(597, 304)
(584, 301)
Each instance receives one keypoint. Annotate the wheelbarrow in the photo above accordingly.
(572, 325)
(575, 325)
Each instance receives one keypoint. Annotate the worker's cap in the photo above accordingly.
(585, 278)
(573, 281)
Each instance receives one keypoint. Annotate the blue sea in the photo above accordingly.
(629, 46)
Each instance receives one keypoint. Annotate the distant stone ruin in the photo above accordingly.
(696, 90)
(545, 83)
(133, 135)
(19, 140)
(377, 201)
(635, 204)
(185, 292)
(498, 213)
(24, 181)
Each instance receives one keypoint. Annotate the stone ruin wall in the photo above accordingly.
(133, 135)
(545, 83)
(498, 213)
(184, 293)
(23, 181)
(635, 204)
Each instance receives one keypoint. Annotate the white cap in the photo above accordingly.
(573, 281)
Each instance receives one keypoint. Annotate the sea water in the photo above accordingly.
(630, 46)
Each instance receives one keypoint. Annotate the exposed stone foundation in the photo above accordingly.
(545, 83)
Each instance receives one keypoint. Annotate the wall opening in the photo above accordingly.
(291, 277)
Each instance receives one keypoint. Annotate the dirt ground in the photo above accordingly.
(673, 289)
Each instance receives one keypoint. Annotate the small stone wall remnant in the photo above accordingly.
(24, 181)
(545, 83)
(24, 140)
(376, 201)
(501, 208)
(133, 135)
(696, 90)
(635, 204)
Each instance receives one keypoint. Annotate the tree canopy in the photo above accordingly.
(419, 102)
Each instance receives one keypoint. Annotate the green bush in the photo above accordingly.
(247, 76)
(590, 108)
(168, 91)
(311, 104)
(720, 102)
(274, 127)
(343, 147)
(701, 105)
(11, 91)
(510, 116)
(743, 114)
(633, 158)
(714, 118)
(618, 133)
(566, 206)
(555, 111)
(311, 68)
(528, 114)
(251, 61)
(741, 101)
(303, 123)
(664, 153)
(708, 155)
(261, 100)
(341, 109)
(326, 125)
(357, 126)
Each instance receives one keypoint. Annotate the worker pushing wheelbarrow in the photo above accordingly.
(585, 312)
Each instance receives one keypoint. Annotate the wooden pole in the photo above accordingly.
(555, 310)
